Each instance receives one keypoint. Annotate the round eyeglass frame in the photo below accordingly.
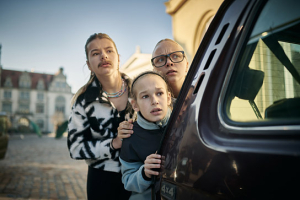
(168, 55)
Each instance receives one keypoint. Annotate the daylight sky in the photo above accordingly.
(44, 35)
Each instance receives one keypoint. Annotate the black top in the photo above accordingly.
(140, 144)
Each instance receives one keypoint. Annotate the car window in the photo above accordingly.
(265, 84)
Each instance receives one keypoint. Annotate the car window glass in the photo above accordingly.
(265, 84)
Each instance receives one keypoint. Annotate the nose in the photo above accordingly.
(169, 62)
(154, 100)
(103, 55)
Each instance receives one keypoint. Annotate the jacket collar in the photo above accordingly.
(95, 92)
(153, 125)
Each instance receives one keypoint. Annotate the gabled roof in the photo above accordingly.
(35, 77)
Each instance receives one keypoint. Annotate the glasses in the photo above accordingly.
(161, 60)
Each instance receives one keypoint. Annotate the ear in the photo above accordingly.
(169, 99)
(135, 105)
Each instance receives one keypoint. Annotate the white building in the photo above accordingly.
(137, 63)
(34, 97)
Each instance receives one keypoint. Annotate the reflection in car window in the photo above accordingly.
(265, 85)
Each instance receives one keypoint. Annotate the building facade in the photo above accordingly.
(137, 63)
(190, 20)
(28, 97)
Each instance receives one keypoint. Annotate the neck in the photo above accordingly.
(176, 87)
(111, 83)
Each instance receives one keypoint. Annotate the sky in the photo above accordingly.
(44, 35)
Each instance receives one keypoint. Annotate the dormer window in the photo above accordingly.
(40, 85)
(8, 82)
(25, 80)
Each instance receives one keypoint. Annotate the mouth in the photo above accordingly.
(171, 72)
(155, 111)
(104, 64)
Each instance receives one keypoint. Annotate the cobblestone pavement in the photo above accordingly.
(41, 168)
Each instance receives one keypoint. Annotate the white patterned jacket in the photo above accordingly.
(93, 124)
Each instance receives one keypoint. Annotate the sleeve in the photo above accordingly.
(133, 178)
(81, 144)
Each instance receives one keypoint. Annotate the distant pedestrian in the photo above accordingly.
(97, 109)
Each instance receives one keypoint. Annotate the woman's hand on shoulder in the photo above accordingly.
(152, 161)
(124, 131)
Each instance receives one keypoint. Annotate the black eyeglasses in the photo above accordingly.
(161, 60)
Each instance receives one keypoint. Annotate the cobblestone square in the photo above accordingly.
(41, 168)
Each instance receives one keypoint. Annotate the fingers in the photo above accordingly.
(153, 158)
(125, 125)
(150, 172)
(152, 161)
(125, 129)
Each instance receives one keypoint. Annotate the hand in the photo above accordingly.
(152, 162)
(124, 131)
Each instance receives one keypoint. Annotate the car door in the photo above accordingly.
(235, 129)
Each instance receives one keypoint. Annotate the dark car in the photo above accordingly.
(235, 129)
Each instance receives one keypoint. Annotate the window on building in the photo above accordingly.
(8, 82)
(40, 85)
(24, 107)
(40, 96)
(7, 107)
(25, 80)
(7, 94)
(24, 95)
(40, 108)
(60, 104)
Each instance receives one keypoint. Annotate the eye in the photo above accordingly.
(145, 97)
(95, 54)
(174, 56)
(160, 59)
(160, 93)
(109, 51)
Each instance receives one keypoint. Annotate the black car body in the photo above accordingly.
(235, 129)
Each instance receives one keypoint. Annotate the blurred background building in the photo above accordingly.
(30, 98)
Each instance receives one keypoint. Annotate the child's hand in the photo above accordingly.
(152, 162)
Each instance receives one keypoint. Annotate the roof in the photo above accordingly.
(35, 77)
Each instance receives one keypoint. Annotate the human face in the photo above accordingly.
(103, 58)
(152, 97)
(174, 72)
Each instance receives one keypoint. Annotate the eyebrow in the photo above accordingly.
(141, 93)
(109, 47)
(145, 91)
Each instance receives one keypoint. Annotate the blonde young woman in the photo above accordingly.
(97, 109)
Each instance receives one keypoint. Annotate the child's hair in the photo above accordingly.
(133, 95)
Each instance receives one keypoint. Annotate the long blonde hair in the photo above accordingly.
(92, 76)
